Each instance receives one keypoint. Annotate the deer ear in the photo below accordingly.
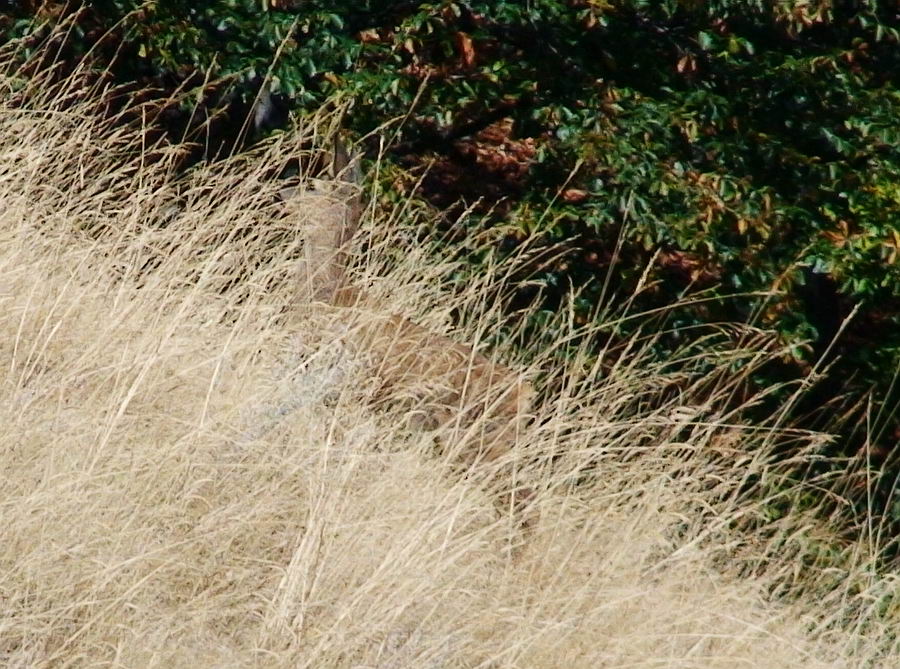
(327, 240)
(346, 169)
(344, 163)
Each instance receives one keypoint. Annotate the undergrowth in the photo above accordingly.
(194, 473)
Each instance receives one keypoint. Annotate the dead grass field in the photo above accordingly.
(192, 474)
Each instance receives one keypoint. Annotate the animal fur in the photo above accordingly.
(451, 386)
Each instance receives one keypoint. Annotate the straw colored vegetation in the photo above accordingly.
(199, 471)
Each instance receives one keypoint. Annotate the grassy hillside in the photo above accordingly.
(195, 474)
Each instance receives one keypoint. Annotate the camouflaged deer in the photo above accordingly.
(452, 386)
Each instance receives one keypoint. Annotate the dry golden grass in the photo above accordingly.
(194, 475)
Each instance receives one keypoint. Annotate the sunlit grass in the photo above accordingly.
(194, 474)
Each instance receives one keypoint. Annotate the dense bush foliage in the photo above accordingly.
(746, 148)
